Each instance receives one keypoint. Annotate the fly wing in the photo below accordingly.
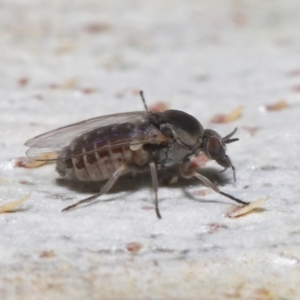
(43, 146)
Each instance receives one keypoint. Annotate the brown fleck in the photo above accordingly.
(296, 88)
(47, 254)
(23, 182)
(251, 130)
(239, 18)
(97, 27)
(133, 247)
(88, 90)
(147, 207)
(226, 118)
(294, 73)
(213, 227)
(38, 97)
(23, 81)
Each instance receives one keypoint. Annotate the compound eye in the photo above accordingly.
(214, 148)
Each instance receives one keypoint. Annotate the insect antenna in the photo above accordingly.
(227, 139)
(144, 101)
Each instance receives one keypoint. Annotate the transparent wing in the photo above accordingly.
(45, 145)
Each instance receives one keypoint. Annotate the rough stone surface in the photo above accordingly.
(65, 61)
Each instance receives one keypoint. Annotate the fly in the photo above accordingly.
(107, 147)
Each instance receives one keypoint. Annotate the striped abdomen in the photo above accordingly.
(94, 156)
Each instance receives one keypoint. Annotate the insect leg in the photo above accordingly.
(188, 173)
(108, 185)
(208, 183)
(155, 187)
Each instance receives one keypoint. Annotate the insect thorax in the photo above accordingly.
(167, 154)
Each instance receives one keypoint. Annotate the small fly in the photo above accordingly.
(107, 147)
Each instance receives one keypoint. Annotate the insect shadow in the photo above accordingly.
(132, 182)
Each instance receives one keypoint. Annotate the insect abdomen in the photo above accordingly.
(95, 166)
(87, 159)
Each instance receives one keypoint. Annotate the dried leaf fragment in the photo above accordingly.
(159, 107)
(25, 162)
(276, 106)
(67, 85)
(10, 206)
(238, 211)
(227, 118)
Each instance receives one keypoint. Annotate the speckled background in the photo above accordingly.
(64, 61)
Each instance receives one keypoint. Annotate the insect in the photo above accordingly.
(107, 147)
